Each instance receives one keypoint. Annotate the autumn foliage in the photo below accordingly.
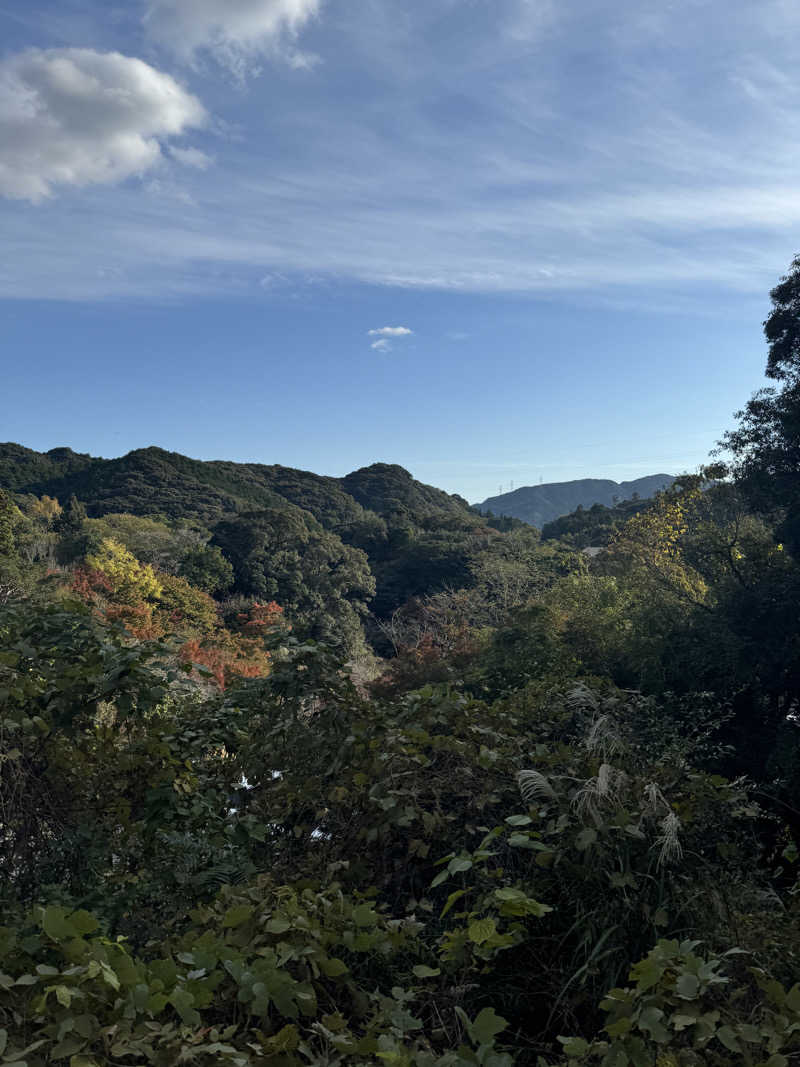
(242, 654)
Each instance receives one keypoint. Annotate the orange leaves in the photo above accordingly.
(238, 655)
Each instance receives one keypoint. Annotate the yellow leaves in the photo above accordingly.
(653, 540)
(132, 582)
(47, 509)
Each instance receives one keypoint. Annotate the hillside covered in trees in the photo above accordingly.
(301, 770)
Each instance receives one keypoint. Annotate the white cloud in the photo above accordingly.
(235, 32)
(191, 157)
(73, 116)
(385, 334)
(391, 331)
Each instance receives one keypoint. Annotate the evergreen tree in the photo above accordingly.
(73, 537)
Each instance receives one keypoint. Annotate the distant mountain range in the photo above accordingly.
(538, 504)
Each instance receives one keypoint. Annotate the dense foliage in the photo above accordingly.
(304, 771)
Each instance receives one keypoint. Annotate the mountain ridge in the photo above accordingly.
(540, 504)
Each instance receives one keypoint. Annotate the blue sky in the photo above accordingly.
(491, 240)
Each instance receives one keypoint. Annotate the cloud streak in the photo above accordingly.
(559, 148)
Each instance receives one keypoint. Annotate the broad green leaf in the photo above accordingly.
(63, 996)
(56, 925)
(727, 1036)
(687, 986)
(459, 865)
(421, 971)
(364, 915)
(84, 922)
(278, 926)
(482, 930)
(486, 1026)
(237, 915)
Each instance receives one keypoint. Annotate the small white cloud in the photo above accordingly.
(73, 116)
(191, 157)
(381, 346)
(391, 331)
(457, 335)
(235, 32)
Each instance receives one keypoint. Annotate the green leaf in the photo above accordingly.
(650, 1019)
(332, 968)
(793, 999)
(451, 900)
(63, 995)
(278, 926)
(421, 971)
(459, 865)
(237, 915)
(84, 922)
(56, 926)
(183, 1002)
(687, 987)
(727, 1036)
(519, 820)
(486, 1026)
(3, 1040)
(482, 930)
(364, 915)
(67, 1047)
(522, 840)
(109, 976)
(82, 1061)
(286, 1040)
(574, 1047)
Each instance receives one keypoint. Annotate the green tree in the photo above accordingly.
(766, 444)
(73, 535)
(206, 567)
(322, 584)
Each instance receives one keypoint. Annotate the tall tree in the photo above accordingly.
(766, 444)
(73, 539)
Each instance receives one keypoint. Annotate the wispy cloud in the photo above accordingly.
(381, 346)
(610, 147)
(191, 157)
(237, 33)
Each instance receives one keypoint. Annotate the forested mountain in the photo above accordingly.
(539, 504)
(300, 771)
(377, 524)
